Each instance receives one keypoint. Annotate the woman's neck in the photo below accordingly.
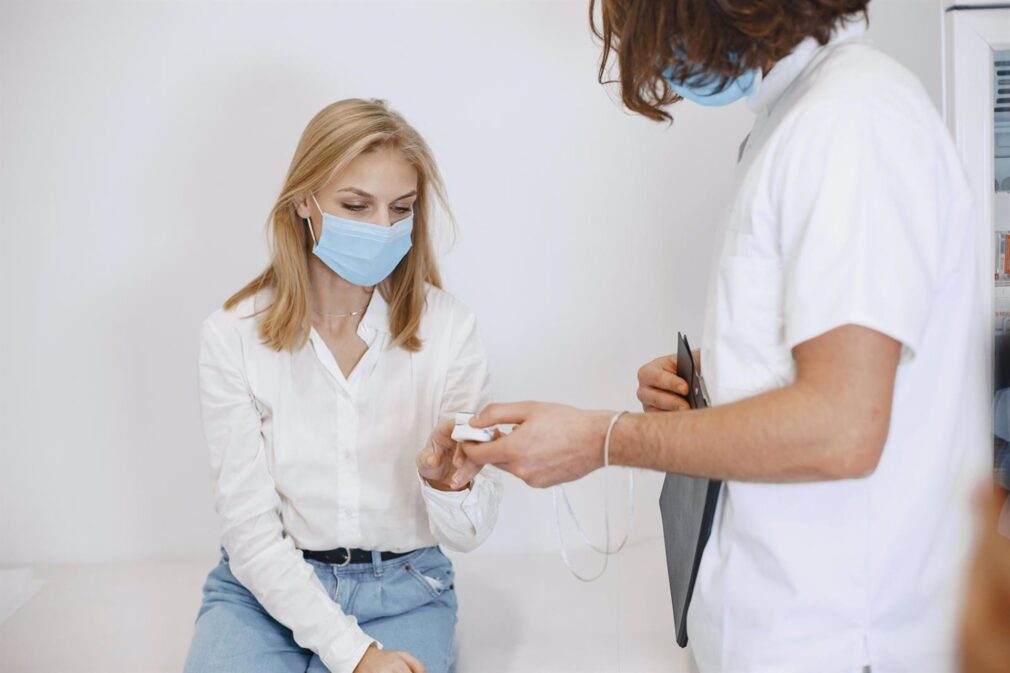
(332, 295)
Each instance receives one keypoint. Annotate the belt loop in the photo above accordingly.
(377, 563)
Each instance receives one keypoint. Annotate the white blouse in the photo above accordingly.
(303, 457)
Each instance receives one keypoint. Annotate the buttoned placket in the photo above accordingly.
(346, 425)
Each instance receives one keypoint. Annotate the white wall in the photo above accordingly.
(910, 31)
(141, 145)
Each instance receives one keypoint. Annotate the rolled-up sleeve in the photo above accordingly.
(261, 557)
(462, 520)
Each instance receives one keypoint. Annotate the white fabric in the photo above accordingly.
(304, 458)
(851, 208)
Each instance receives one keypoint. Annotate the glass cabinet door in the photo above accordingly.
(1001, 275)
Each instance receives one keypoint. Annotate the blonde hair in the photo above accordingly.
(337, 135)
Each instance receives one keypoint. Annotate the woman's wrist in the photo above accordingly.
(443, 486)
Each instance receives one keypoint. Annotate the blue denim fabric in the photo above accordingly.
(407, 604)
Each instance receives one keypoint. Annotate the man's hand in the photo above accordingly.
(659, 387)
(442, 464)
(550, 444)
(383, 661)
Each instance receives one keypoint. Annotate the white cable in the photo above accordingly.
(605, 550)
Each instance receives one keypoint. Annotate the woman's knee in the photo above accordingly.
(234, 634)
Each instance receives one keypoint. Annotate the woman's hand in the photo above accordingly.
(659, 387)
(442, 463)
(383, 661)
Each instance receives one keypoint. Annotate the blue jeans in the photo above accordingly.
(407, 604)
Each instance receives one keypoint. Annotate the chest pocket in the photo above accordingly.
(749, 351)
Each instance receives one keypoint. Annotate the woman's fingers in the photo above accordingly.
(436, 457)
(412, 662)
(430, 457)
(433, 462)
(465, 474)
(442, 434)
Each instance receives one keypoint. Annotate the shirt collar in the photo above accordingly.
(377, 314)
(785, 72)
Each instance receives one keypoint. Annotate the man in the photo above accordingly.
(843, 347)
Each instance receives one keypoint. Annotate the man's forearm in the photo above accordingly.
(788, 435)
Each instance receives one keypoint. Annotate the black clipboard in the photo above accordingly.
(687, 506)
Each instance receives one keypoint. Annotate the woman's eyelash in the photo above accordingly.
(358, 206)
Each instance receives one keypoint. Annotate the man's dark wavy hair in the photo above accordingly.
(714, 40)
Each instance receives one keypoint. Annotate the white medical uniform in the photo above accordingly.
(305, 458)
(851, 208)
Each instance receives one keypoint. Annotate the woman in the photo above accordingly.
(327, 386)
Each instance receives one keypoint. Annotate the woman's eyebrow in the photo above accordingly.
(366, 195)
(355, 190)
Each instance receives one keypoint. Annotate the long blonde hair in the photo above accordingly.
(333, 138)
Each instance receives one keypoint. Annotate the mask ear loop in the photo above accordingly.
(308, 220)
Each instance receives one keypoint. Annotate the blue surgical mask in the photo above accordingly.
(359, 252)
(694, 89)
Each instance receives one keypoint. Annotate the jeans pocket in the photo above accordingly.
(433, 571)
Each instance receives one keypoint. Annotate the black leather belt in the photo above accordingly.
(342, 556)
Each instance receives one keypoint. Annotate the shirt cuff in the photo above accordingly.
(447, 498)
(345, 654)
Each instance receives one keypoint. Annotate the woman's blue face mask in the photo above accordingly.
(361, 253)
(696, 90)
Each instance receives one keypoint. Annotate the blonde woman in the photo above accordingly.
(327, 385)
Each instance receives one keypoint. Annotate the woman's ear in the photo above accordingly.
(302, 207)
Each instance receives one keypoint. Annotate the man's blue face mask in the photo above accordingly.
(696, 90)
(359, 252)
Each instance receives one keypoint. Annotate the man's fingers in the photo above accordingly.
(661, 400)
(412, 662)
(666, 362)
(494, 414)
(497, 452)
(654, 377)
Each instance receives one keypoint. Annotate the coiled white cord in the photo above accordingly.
(605, 550)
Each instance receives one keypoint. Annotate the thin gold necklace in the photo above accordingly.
(341, 315)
